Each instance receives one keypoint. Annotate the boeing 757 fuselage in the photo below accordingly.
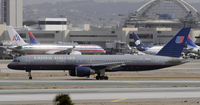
(86, 65)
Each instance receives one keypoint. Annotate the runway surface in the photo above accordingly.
(179, 82)
(75, 84)
(97, 94)
(95, 82)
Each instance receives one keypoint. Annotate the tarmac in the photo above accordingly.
(179, 85)
(109, 95)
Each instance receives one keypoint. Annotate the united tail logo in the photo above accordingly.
(179, 39)
(16, 38)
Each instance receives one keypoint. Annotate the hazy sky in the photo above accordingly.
(27, 2)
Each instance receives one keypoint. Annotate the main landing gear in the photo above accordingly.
(29, 74)
(101, 75)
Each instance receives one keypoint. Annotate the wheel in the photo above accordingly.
(101, 77)
(97, 77)
(30, 78)
(106, 78)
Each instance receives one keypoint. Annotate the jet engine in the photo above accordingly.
(81, 72)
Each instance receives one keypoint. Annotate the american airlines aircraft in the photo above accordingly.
(86, 65)
(36, 48)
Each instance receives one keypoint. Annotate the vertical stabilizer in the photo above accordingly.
(175, 47)
(32, 38)
(15, 37)
(190, 43)
(139, 45)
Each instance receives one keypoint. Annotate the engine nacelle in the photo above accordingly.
(81, 72)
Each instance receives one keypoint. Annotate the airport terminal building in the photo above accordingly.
(156, 22)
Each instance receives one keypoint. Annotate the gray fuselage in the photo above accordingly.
(70, 62)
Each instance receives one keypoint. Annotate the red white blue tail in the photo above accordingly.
(175, 47)
(190, 43)
(32, 38)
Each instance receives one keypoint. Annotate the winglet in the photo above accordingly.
(32, 38)
(15, 37)
(175, 47)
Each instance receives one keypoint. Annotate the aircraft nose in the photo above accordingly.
(11, 65)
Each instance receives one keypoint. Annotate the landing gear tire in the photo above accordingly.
(30, 78)
(105, 77)
(29, 74)
(101, 77)
(97, 77)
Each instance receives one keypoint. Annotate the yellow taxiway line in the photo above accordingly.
(118, 100)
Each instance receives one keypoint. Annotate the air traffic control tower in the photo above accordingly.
(158, 20)
(11, 12)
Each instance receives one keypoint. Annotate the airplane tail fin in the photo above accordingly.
(32, 38)
(139, 45)
(190, 43)
(175, 47)
(15, 37)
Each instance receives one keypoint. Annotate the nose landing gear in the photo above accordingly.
(29, 74)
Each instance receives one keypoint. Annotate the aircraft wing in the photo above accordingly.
(67, 51)
(107, 66)
(52, 52)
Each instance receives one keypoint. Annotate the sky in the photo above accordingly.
(29, 2)
(53, 1)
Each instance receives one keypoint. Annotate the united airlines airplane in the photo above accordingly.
(86, 65)
(36, 48)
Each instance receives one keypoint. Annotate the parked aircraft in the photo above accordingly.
(36, 48)
(82, 48)
(86, 65)
(144, 48)
(32, 39)
(191, 46)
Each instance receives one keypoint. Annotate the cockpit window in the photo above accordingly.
(15, 60)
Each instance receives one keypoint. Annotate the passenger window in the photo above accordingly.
(15, 60)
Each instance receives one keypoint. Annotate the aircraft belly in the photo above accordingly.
(138, 68)
(51, 67)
